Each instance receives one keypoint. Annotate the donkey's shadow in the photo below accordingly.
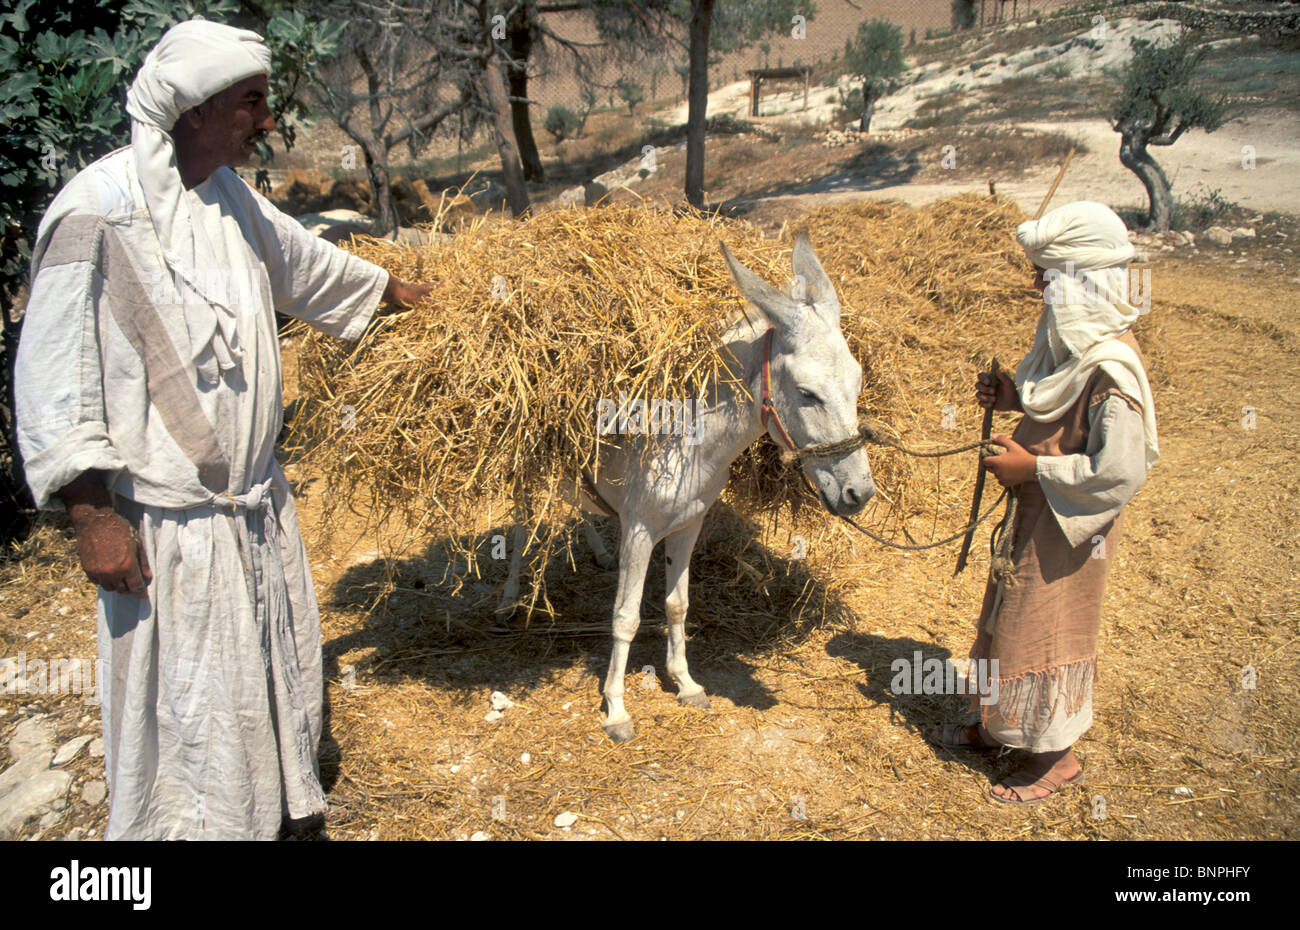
(426, 627)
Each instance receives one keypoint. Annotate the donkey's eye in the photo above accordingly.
(809, 396)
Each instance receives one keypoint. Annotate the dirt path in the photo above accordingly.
(1198, 161)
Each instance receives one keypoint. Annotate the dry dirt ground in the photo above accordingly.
(806, 739)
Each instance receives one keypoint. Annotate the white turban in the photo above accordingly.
(1084, 249)
(192, 62)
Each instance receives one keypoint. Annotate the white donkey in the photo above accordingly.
(808, 382)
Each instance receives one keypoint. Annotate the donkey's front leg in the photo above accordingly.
(633, 559)
(677, 553)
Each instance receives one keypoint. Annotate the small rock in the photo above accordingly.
(68, 751)
(455, 769)
(1243, 232)
(493, 716)
(59, 804)
(566, 820)
(500, 701)
(526, 758)
(479, 836)
(49, 820)
(566, 705)
(1183, 791)
(73, 835)
(94, 792)
(97, 748)
(1218, 235)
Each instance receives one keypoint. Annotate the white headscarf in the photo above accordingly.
(193, 61)
(1084, 248)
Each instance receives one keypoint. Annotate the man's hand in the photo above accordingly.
(402, 295)
(1002, 396)
(1015, 466)
(112, 555)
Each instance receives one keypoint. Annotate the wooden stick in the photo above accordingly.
(985, 428)
(1052, 190)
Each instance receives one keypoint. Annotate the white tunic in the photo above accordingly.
(211, 687)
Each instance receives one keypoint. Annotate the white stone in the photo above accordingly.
(94, 792)
(1183, 791)
(526, 758)
(500, 701)
(1218, 235)
(493, 716)
(97, 748)
(68, 751)
(455, 769)
(479, 836)
(566, 820)
(1243, 232)
(26, 787)
(34, 733)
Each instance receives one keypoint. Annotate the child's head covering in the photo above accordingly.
(1084, 249)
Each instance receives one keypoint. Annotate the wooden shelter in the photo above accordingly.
(758, 75)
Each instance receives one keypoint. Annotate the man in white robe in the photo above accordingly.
(148, 404)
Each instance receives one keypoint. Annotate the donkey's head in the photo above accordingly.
(815, 380)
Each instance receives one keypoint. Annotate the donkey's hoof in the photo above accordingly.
(695, 699)
(620, 732)
(605, 561)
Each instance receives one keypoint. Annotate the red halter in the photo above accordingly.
(768, 407)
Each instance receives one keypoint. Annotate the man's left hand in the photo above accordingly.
(402, 295)
(1015, 466)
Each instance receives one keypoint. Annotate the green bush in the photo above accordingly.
(562, 123)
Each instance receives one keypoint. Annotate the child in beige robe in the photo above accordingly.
(1077, 457)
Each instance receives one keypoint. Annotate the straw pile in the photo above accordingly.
(489, 397)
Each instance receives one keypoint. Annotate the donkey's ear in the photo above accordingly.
(808, 272)
(780, 310)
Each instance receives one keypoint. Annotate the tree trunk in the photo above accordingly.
(523, 126)
(381, 187)
(511, 169)
(701, 16)
(1135, 157)
(524, 29)
(868, 104)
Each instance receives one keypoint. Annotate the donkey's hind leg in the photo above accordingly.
(634, 551)
(677, 555)
(510, 595)
(599, 553)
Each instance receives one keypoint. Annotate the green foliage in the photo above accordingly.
(1161, 97)
(298, 47)
(562, 123)
(1200, 210)
(964, 14)
(875, 54)
(631, 93)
